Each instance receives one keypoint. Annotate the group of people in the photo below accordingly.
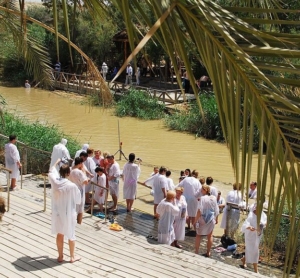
(192, 203)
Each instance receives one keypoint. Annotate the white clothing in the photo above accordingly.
(159, 182)
(167, 212)
(252, 194)
(209, 211)
(129, 73)
(252, 238)
(100, 193)
(104, 70)
(97, 161)
(151, 179)
(12, 156)
(78, 177)
(114, 171)
(59, 151)
(90, 166)
(131, 173)
(27, 85)
(191, 186)
(221, 201)
(170, 185)
(213, 191)
(137, 75)
(235, 197)
(180, 218)
(83, 149)
(65, 196)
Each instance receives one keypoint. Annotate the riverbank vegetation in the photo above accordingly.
(40, 137)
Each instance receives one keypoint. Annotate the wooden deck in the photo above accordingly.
(28, 249)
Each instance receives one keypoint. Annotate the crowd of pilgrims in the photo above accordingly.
(193, 203)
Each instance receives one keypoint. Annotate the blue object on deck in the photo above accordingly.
(99, 214)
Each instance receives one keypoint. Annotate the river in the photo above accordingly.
(149, 140)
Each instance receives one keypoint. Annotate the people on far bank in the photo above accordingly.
(129, 73)
(138, 75)
(27, 85)
(12, 160)
(60, 151)
(104, 70)
(186, 81)
(57, 68)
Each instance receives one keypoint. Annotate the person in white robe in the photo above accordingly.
(167, 211)
(233, 196)
(191, 186)
(60, 151)
(12, 160)
(90, 166)
(252, 194)
(113, 177)
(170, 182)
(159, 188)
(83, 149)
(180, 218)
(65, 195)
(213, 189)
(253, 234)
(131, 173)
(78, 176)
(100, 193)
(207, 217)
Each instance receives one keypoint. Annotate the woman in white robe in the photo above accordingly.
(207, 217)
(233, 196)
(253, 234)
(60, 151)
(180, 218)
(100, 193)
(131, 173)
(65, 196)
(167, 211)
(12, 160)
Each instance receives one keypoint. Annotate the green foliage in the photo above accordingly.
(192, 122)
(139, 104)
(38, 136)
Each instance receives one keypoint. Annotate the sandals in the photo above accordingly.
(115, 227)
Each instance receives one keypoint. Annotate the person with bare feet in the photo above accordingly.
(206, 218)
(12, 160)
(65, 196)
(113, 180)
(253, 234)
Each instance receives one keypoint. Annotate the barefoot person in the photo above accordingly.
(253, 234)
(12, 160)
(65, 196)
(207, 217)
(113, 180)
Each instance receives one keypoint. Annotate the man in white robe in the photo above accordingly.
(12, 160)
(60, 151)
(167, 211)
(90, 166)
(100, 192)
(78, 176)
(83, 149)
(253, 234)
(113, 180)
(65, 196)
(131, 173)
(160, 184)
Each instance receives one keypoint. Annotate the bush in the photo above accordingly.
(139, 104)
(192, 121)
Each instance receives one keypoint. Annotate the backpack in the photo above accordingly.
(227, 241)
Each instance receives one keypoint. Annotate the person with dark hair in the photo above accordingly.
(213, 189)
(2, 207)
(12, 160)
(131, 173)
(100, 192)
(160, 184)
(187, 172)
(90, 166)
(80, 179)
(65, 196)
(206, 218)
(113, 176)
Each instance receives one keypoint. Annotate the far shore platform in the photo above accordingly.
(28, 249)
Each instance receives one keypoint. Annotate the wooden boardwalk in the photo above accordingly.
(28, 249)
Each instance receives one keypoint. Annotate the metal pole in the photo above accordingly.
(92, 204)
(120, 146)
(44, 193)
(21, 177)
(106, 195)
(8, 191)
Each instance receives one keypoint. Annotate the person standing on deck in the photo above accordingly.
(90, 166)
(78, 177)
(129, 72)
(65, 196)
(60, 151)
(159, 186)
(213, 190)
(113, 180)
(131, 173)
(12, 160)
(83, 149)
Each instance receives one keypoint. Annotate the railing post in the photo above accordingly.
(44, 193)
(24, 160)
(8, 191)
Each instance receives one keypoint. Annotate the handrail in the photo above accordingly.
(106, 195)
(45, 175)
(8, 184)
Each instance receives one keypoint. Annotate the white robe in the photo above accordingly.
(167, 212)
(84, 149)
(233, 196)
(114, 170)
(159, 182)
(171, 185)
(191, 187)
(12, 156)
(252, 194)
(65, 196)
(59, 151)
(252, 238)
(131, 173)
(100, 193)
(78, 177)
(180, 218)
(90, 166)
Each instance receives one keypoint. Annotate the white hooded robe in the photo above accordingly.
(131, 173)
